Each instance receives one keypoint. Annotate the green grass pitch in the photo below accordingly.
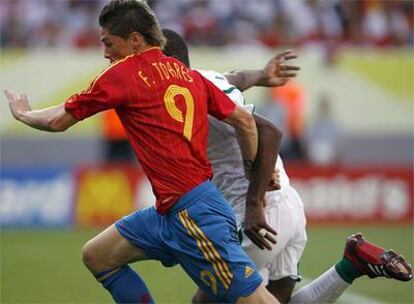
(44, 266)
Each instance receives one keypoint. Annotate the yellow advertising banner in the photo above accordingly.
(105, 194)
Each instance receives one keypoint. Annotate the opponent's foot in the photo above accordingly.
(375, 261)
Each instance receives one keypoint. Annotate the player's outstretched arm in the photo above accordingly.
(53, 119)
(275, 73)
(255, 221)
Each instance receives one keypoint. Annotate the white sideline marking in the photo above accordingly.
(349, 297)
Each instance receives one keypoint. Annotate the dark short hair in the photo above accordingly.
(176, 46)
(123, 17)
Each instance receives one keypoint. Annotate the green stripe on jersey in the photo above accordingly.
(229, 90)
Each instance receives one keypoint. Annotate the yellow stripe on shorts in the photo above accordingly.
(209, 251)
(227, 271)
(208, 255)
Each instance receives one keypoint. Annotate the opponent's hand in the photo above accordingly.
(277, 72)
(256, 228)
(18, 103)
(274, 182)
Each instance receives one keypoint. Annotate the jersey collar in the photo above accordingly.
(154, 49)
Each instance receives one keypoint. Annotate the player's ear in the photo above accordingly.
(136, 40)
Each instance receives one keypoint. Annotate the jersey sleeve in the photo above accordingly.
(104, 93)
(220, 81)
(219, 105)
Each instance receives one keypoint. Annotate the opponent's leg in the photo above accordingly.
(282, 272)
(282, 289)
(327, 288)
(360, 258)
(107, 256)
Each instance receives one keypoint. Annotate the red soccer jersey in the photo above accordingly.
(163, 107)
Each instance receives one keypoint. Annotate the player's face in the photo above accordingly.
(116, 47)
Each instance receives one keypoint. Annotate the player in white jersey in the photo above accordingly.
(284, 210)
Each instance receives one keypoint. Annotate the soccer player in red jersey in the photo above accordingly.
(163, 107)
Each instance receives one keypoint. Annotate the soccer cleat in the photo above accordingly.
(375, 261)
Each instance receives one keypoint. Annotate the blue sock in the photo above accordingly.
(126, 286)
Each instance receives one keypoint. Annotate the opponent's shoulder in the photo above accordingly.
(220, 81)
(213, 76)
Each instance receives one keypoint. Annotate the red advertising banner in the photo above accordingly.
(356, 194)
(106, 193)
(103, 194)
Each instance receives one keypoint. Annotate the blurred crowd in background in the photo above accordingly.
(278, 23)
(275, 24)
(73, 23)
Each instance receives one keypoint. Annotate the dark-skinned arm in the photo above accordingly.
(275, 73)
(269, 143)
(247, 136)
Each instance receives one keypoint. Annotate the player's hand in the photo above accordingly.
(256, 228)
(274, 182)
(18, 103)
(277, 72)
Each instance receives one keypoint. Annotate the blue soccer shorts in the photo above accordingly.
(199, 232)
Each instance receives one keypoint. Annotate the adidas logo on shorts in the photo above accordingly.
(248, 272)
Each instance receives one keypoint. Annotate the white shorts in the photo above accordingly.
(285, 214)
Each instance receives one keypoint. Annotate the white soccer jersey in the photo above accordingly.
(224, 151)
